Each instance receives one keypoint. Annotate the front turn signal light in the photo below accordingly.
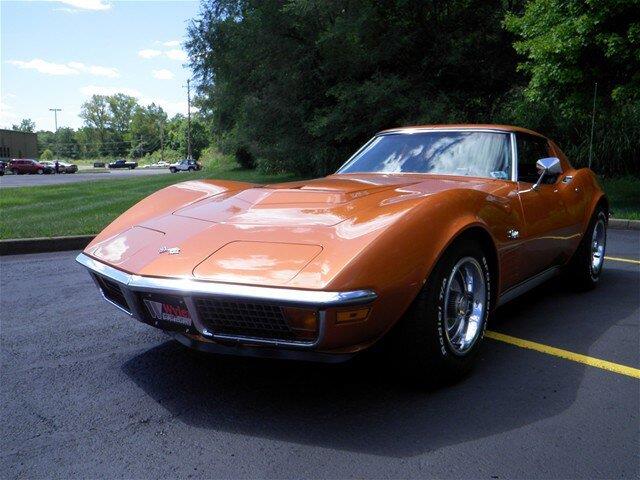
(355, 315)
(302, 322)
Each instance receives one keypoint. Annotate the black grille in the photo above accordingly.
(244, 319)
(113, 292)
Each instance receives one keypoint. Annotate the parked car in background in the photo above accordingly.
(64, 167)
(122, 163)
(186, 165)
(426, 229)
(20, 166)
(160, 164)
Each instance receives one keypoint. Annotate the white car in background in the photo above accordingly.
(186, 165)
(160, 164)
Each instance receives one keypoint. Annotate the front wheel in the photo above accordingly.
(586, 265)
(173, 170)
(439, 336)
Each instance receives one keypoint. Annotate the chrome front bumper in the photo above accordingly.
(188, 289)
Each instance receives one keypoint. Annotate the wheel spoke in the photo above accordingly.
(465, 299)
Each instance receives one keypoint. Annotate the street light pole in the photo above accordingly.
(189, 119)
(55, 116)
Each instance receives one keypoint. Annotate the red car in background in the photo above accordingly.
(23, 165)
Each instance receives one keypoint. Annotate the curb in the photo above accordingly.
(39, 245)
(59, 244)
(623, 224)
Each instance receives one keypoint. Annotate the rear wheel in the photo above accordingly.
(173, 170)
(439, 337)
(40, 171)
(586, 265)
(15, 171)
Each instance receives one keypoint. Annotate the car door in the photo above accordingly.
(547, 226)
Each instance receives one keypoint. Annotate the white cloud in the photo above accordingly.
(162, 74)
(149, 53)
(88, 4)
(176, 54)
(101, 90)
(43, 66)
(172, 43)
(69, 68)
(96, 70)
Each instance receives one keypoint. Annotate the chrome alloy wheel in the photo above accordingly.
(464, 305)
(598, 241)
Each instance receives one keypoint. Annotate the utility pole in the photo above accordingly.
(55, 116)
(189, 119)
(162, 141)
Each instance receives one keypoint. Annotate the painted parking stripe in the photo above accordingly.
(626, 260)
(557, 352)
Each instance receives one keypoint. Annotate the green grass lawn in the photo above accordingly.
(87, 207)
(624, 196)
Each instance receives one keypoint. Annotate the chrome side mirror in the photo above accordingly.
(547, 166)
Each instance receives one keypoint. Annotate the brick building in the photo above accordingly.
(15, 144)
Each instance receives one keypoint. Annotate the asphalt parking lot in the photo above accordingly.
(87, 392)
(8, 181)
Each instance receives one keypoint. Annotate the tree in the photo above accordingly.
(146, 126)
(26, 125)
(301, 84)
(566, 47)
(96, 115)
(46, 155)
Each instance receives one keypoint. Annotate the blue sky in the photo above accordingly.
(58, 53)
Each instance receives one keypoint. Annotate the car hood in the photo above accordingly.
(298, 234)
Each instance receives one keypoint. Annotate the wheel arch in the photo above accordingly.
(479, 234)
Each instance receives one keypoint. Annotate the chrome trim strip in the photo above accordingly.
(514, 158)
(527, 285)
(448, 130)
(189, 287)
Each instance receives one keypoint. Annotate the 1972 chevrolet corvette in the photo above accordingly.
(420, 235)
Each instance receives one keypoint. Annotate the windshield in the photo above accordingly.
(475, 154)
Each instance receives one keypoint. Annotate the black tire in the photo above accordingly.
(173, 170)
(15, 171)
(582, 274)
(191, 169)
(40, 171)
(420, 343)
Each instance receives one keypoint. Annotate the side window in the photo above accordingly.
(530, 150)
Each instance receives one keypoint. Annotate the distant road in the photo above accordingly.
(8, 181)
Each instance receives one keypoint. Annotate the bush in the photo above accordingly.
(46, 155)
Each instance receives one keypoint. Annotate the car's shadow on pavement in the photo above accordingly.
(361, 406)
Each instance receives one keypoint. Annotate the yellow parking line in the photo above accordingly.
(626, 260)
(575, 357)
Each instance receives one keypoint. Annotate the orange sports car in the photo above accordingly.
(419, 236)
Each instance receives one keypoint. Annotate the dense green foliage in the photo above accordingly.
(300, 84)
(567, 46)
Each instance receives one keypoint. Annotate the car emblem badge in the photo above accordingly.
(169, 250)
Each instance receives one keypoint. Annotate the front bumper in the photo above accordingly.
(124, 291)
